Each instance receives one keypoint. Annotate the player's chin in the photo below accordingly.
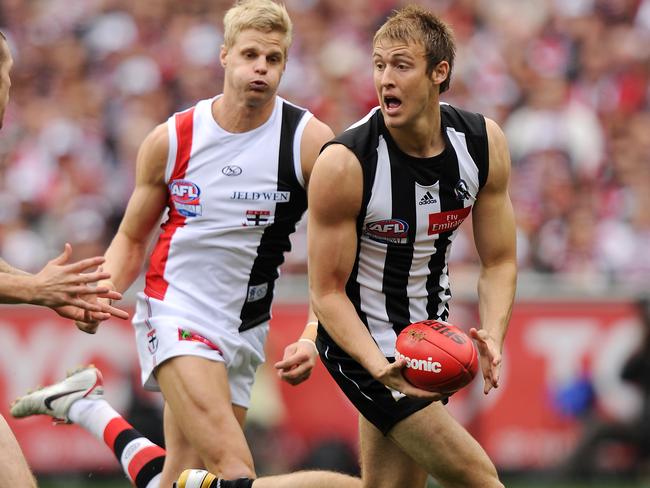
(259, 96)
(394, 121)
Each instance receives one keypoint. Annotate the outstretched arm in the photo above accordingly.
(59, 285)
(126, 253)
(299, 357)
(494, 235)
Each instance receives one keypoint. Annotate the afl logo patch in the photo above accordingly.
(231, 170)
(393, 231)
(186, 197)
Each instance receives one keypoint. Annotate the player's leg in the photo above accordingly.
(79, 399)
(438, 443)
(197, 478)
(184, 454)
(383, 463)
(197, 391)
(180, 453)
(13, 466)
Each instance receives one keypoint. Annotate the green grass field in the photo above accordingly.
(122, 483)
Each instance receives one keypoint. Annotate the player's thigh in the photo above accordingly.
(383, 463)
(13, 465)
(197, 391)
(438, 443)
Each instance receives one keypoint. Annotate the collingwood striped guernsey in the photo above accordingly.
(410, 213)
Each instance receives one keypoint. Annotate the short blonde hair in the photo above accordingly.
(261, 15)
(416, 25)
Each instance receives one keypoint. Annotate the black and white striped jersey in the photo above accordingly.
(410, 214)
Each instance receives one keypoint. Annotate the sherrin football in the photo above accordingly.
(439, 356)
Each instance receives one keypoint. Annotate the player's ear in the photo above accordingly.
(223, 53)
(440, 73)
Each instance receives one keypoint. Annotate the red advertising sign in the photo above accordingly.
(551, 348)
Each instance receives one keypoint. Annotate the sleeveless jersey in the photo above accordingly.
(233, 201)
(411, 210)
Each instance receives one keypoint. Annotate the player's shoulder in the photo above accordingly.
(153, 154)
(471, 123)
(317, 133)
(362, 137)
(157, 141)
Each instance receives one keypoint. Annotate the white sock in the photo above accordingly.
(92, 415)
(155, 482)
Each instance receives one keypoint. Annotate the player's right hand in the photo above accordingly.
(59, 283)
(391, 376)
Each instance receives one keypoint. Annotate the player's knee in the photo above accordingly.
(474, 479)
(231, 468)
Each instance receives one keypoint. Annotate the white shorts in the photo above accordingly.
(161, 333)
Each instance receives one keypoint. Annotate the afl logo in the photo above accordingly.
(393, 231)
(186, 197)
(231, 170)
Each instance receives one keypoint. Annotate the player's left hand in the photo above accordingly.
(106, 310)
(489, 358)
(297, 363)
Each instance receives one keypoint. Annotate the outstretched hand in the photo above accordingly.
(391, 376)
(298, 362)
(106, 312)
(60, 284)
(489, 358)
(72, 293)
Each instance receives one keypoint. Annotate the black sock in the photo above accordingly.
(240, 483)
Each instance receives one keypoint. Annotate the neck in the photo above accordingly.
(235, 115)
(422, 138)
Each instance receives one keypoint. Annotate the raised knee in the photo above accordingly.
(234, 470)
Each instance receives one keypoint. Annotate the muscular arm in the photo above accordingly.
(494, 235)
(335, 195)
(5, 267)
(299, 357)
(126, 253)
(60, 286)
(314, 137)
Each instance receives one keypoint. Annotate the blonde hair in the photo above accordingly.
(262, 15)
(416, 25)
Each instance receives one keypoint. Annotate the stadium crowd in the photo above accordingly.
(569, 80)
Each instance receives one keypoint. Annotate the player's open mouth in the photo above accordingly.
(391, 104)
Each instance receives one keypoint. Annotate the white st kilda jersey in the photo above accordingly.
(234, 199)
(411, 211)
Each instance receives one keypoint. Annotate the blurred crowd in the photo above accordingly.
(568, 81)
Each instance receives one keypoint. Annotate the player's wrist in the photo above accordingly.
(311, 342)
(27, 289)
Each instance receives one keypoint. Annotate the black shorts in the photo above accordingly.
(372, 399)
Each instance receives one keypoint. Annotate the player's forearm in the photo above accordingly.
(340, 320)
(5, 267)
(17, 288)
(124, 261)
(311, 326)
(496, 291)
